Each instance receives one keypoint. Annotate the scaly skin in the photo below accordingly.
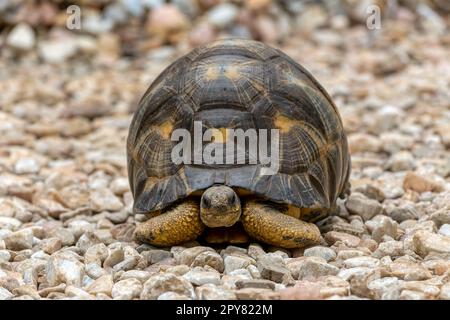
(261, 221)
(267, 224)
(177, 225)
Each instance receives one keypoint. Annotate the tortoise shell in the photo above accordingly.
(238, 83)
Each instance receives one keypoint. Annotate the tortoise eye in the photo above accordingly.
(206, 202)
(232, 198)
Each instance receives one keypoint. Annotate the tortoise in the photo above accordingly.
(236, 84)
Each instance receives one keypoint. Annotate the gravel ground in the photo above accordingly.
(65, 206)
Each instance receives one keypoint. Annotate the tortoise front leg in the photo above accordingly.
(177, 225)
(265, 223)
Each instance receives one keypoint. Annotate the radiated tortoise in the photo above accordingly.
(239, 85)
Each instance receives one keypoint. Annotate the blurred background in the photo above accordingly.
(72, 73)
(133, 28)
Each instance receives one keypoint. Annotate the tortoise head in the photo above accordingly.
(220, 207)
